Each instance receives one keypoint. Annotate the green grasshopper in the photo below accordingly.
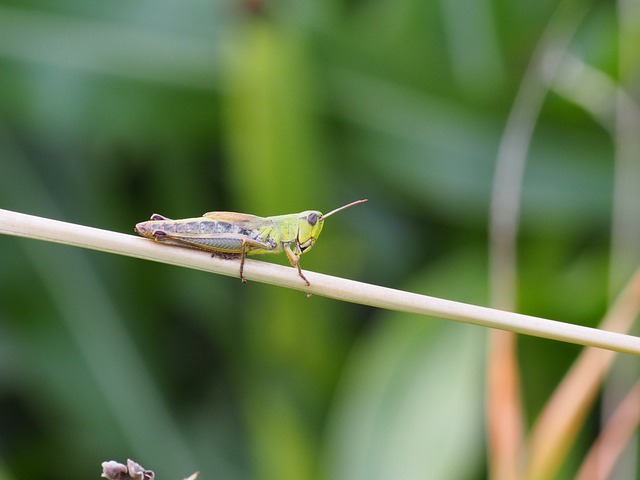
(233, 235)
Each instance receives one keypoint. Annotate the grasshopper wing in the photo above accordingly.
(244, 220)
(252, 231)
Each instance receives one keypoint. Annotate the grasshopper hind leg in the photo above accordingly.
(217, 246)
(242, 257)
(234, 256)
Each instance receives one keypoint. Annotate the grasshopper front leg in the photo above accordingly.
(294, 260)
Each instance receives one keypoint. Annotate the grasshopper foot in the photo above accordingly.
(304, 279)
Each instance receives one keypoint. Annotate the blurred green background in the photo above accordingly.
(111, 111)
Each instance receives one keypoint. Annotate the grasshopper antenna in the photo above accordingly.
(344, 207)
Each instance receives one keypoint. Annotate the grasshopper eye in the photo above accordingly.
(312, 219)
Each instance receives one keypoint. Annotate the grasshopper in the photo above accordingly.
(233, 235)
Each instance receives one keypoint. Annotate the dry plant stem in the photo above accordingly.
(625, 227)
(558, 424)
(504, 412)
(29, 226)
(504, 407)
(599, 463)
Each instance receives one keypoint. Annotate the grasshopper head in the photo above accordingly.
(310, 225)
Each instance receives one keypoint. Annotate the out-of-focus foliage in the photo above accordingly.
(110, 111)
